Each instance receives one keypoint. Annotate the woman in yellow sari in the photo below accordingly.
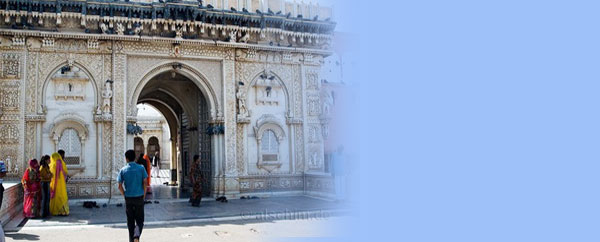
(59, 203)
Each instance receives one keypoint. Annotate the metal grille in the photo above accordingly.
(270, 157)
(72, 160)
(70, 143)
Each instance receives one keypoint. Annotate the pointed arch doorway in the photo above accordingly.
(187, 110)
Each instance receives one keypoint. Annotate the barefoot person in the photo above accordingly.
(155, 165)
(132, 184)
(31, 188)
(46, 178)
(59, 202)
(148, 171)
(196, 179)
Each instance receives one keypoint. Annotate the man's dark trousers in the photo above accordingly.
(134, 207)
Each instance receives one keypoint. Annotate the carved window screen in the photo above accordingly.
(69, 142)
(269, 146)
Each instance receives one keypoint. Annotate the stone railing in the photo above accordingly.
(12, 203)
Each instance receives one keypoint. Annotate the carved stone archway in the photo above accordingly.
(192, 74)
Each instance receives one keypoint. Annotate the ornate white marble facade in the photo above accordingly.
(258, 106)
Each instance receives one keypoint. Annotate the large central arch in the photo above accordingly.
(188, 102)
(189, 72)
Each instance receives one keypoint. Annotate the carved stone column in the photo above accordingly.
(314, 152)
(119, 113)
(232, 184)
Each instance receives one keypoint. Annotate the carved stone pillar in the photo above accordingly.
(119, 114)
(232, 185)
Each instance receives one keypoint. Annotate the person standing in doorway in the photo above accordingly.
(156, 164)
(196, 179)
(132, 185)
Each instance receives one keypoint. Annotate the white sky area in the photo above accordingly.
(145, 110)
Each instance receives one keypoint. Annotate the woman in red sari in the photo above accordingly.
(31, 187)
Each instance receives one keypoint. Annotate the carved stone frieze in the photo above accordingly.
(67, 88)
(314, 105)
(10, 66)
(10, 95)
(312, 80)
(319, 183)
(9, 153)
(314, 133)
(88, 188)
(271, 183)
(315, 157)
(9, 133)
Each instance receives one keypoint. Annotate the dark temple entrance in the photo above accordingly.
(186, 110)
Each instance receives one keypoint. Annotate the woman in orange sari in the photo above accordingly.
(32, 188)
(148, 167)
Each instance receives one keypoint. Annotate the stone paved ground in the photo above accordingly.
(173, 219)
(237, 231)
(172, 210)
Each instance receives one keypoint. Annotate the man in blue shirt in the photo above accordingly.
(133, 177)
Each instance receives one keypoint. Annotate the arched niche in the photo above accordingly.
(268, 130)
(71, 127)
(257, 90)
(69, 99)
(56, 77)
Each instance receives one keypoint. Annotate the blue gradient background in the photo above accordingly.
(479, 120)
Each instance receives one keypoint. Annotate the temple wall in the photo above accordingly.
(292, 108)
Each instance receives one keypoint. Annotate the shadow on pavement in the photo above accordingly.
(22, 236)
